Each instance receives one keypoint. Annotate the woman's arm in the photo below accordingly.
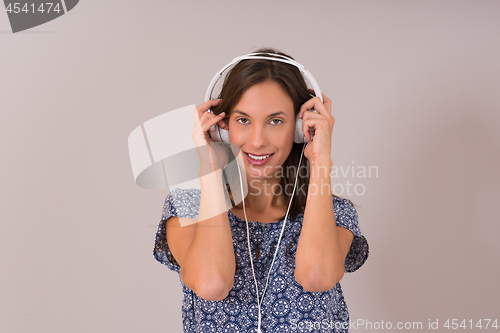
(204, 250)
(322, 247)
(206, 254)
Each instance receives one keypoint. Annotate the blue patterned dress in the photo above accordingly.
(287, 306)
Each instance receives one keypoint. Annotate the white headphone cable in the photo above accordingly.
(259, 300)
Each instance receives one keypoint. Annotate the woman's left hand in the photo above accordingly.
(319, 149)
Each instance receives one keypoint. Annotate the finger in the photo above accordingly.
(312, 120)
(313, 124)
(212, 119)
(325, 99)
(202, 109)
(206, 105)
(313, 103)
(222, 124)
(312, 92)
(313, 115)
(306, 127)
(200, 112)
(328, 103)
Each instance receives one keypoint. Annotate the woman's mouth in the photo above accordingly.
(258, 160)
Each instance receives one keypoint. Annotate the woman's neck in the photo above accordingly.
(264, 195)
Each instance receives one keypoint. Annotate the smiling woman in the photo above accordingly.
(302, 242)
(262, 88)
(265, 138)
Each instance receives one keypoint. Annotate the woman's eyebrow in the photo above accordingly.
(271, 115)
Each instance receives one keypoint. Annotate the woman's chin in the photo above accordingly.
(262, 174)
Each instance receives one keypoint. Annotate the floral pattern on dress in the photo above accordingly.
(287, 306)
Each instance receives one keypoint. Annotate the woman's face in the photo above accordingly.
(263, 123)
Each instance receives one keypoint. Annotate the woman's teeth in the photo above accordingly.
(258, 158)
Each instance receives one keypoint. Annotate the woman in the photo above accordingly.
(298, 289)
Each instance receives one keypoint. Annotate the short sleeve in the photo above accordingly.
(347, 217)
(180, 203)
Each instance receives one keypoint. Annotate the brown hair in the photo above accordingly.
(249, 72)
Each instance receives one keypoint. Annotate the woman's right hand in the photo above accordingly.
(212, 155)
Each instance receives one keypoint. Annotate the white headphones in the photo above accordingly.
(221, 135)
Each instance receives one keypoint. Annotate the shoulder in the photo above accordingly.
(346, 215)
(344, 208)
(182, 202)
(337, 199)
(185, 193)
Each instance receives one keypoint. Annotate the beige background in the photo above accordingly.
(414, 86)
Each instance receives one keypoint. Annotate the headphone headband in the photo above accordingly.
(265, 56)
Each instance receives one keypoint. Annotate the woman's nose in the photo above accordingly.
(257, 136)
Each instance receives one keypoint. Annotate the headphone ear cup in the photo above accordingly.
(224, 135)
(298, 136)
(218, 134)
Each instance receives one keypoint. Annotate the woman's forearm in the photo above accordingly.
(210, 262)
(318, 260)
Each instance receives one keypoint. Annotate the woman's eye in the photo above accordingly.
(245, 121)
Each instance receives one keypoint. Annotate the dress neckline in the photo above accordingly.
(277, 223)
